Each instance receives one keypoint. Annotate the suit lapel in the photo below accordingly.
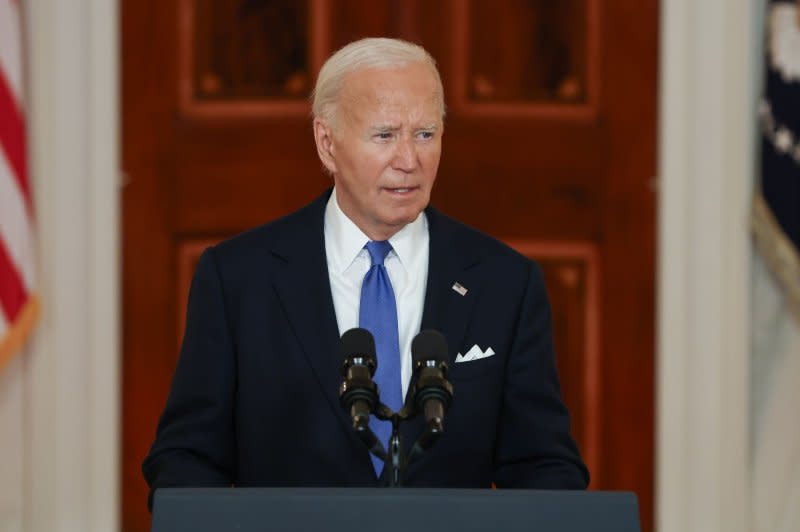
(446, 310)
(303, 287)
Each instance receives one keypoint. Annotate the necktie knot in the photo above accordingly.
(378, 249)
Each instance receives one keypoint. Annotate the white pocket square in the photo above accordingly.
(475, 353)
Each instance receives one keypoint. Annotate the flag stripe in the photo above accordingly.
(19, 306)
(12, 292)
(10, 42)
(12, 140)
(16, 227)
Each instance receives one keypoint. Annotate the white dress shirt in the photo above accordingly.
(406, 264)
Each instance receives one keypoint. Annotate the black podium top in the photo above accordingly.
(392, 510)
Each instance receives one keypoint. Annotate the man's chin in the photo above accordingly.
(402, 219)
(387, 226)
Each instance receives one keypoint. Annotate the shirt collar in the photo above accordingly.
(347, 240)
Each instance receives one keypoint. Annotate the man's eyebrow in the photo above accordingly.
(382, 128)
(385, 127)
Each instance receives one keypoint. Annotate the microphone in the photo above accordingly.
(358, 393)
(433, 394)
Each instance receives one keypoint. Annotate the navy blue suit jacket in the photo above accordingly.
(254, 400)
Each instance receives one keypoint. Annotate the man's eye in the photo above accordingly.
(426, 134)
(384, 135)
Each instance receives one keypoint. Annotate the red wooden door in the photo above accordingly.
(549, 145)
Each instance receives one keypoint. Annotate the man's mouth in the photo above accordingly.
(401, 190)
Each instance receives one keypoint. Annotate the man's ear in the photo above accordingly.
(323, 137)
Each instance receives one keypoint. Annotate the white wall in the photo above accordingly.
(61, 397)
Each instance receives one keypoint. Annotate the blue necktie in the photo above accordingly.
(378, 314)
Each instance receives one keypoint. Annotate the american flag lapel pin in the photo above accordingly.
(460, 289)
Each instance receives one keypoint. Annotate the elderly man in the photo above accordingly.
(254, 401)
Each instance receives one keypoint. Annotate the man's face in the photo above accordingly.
(385, 146)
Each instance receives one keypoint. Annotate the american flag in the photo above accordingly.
(18, 302)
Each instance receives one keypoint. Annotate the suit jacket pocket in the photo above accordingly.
(482, 367)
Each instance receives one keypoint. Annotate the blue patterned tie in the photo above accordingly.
(378, 314)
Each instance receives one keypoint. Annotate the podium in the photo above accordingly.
(392, 510)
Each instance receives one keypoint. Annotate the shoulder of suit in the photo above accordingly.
(466, 237)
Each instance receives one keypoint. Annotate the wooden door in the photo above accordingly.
(549, 146)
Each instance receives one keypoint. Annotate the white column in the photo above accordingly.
(708, 67)
(12, 445)
(72, 384)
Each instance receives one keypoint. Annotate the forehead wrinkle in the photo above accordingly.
(377, 100)
(416, 114)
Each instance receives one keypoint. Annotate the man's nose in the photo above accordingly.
(405, 155)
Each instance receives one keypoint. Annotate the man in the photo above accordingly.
(254, 401)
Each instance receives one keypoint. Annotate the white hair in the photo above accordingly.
(376, 52)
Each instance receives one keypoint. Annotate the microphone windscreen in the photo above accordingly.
(357, 342)
(429, 345)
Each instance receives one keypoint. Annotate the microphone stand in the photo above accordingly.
(433, 431)
(393, 459)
